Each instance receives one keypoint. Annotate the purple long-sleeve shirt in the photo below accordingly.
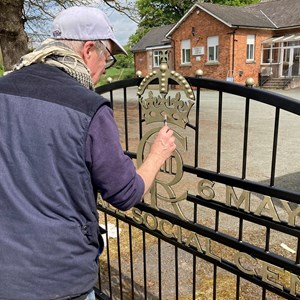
(113, 172)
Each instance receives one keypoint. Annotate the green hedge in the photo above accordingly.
(116, 74)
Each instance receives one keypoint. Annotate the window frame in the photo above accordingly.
(156, 54)
(213, 49)
(186, 51)
(250, 48)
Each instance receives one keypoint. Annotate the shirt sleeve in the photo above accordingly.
(113, 173)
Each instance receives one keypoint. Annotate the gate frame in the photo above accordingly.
(250, 94)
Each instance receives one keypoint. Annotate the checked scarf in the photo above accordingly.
(55, 53)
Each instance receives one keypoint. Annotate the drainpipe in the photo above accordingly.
(233, 49)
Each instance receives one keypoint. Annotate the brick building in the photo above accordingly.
(152, 48)
(228, 42)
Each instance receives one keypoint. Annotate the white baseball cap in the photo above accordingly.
(84, 24)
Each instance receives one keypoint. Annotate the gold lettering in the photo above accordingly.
(292, 213)
(162, 229)
(192, 240)
(110, 207)
(120, 213)
(208, 250)
(205, 189)
(101, 202)
(295, 281)
(168, 166)
(174, 201)
(177, 174)
(237, 260)
(137, 216)
(267, 207)
(244, 197)
(178, 234)
(269, 276)
(148, 224)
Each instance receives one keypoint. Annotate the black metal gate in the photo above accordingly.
(222, 220)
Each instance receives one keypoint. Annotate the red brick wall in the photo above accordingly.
(140, 62)
(205, 26)
(242, 68)
(143, 61)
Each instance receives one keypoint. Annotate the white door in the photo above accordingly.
(296, 62)
(291, 62)
(286, 62)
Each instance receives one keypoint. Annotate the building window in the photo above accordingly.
(185, 51)
(271, 53)
(250, 47)
(159, 57)
(156, 58)
(212, 48)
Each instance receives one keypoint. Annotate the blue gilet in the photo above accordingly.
(48, 216)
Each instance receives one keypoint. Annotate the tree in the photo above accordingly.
(35, 15)
(153, 13)
(126, 7)
(161, 12)
(13, 39)
(124, 61)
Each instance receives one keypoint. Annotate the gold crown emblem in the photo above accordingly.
(162, 107)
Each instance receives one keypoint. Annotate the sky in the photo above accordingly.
(122, 25)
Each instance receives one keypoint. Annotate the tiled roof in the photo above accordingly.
(271, 14)
(274, 14)
(237, 15)
(284, 13)
(154, 38)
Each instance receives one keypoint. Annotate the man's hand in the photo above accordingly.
(163, 146)
(160, 151)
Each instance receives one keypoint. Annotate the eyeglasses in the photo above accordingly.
(111, 60)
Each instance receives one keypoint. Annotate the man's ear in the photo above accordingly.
(86, 50)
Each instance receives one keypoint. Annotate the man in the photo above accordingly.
(58, 145)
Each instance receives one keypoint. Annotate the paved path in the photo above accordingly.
(293, 93)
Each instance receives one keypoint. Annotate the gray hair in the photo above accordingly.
(77, 46)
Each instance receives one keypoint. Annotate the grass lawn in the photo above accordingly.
(116, 74)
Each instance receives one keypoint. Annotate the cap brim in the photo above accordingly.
(117, 48)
